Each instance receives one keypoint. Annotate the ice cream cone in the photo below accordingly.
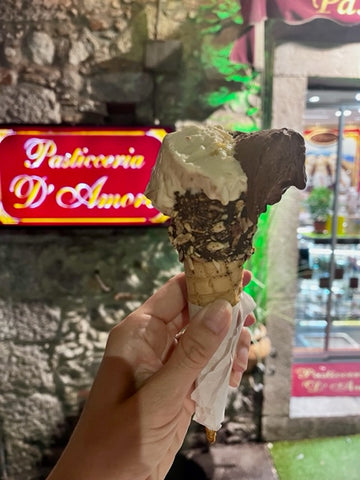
(208, 281)
(204, 239)
(214, 185)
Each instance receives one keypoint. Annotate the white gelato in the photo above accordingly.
(196, 158)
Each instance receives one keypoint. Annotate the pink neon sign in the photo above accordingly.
(77, 175)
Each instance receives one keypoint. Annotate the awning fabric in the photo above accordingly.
(345, 12)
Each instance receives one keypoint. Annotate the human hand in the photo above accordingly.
(139, 407)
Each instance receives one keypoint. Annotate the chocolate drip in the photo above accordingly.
(273, 160)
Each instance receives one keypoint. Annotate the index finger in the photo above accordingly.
(246, 277)
(171, 298)
(168, 301)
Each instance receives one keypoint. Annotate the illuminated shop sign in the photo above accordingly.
(77, 175)
(326, 379)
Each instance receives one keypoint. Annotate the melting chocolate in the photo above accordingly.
(273, 160)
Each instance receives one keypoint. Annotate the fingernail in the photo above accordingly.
(237, 378)
(242, 357)
(217, 315)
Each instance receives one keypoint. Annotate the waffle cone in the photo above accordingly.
(208, 281)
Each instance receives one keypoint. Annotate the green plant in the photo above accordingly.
(319, 203)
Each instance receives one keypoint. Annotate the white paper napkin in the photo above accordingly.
(212, 385)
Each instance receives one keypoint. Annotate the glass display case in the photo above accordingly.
(327, 316)
(327, 319)
(326, 344)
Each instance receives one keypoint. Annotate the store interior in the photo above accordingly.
(326, 346)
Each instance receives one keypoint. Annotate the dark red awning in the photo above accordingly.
(344, 12)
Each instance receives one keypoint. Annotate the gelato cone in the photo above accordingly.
(214, 184)
(213, 241)
(209, 281)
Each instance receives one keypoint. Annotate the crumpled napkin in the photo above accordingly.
(212, 385)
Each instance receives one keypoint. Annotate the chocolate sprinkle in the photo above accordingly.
(206, 229)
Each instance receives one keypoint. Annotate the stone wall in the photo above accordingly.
(115, 62)
(118, 61)
(61, 292)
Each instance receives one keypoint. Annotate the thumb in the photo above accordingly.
(201, 339)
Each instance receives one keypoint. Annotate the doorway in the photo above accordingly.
(326, 347)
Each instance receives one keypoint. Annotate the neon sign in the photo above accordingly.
(77, 175)
(325, 379)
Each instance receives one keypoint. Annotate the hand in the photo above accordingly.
(139, 407)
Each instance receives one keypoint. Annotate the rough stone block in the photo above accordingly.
(37, 10)
(80, 51)
(29, 423)
(28, 103)
(127, 87)
(71, 79)
(25, 322)
(27, 369)
(163, 56)
(44, 75)
(41, 48)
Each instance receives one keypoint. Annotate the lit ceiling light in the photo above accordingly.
(357, 97)
(315, 99)
(346, 113)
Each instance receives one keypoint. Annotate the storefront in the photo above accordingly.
(327, 318)
(312, 312)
